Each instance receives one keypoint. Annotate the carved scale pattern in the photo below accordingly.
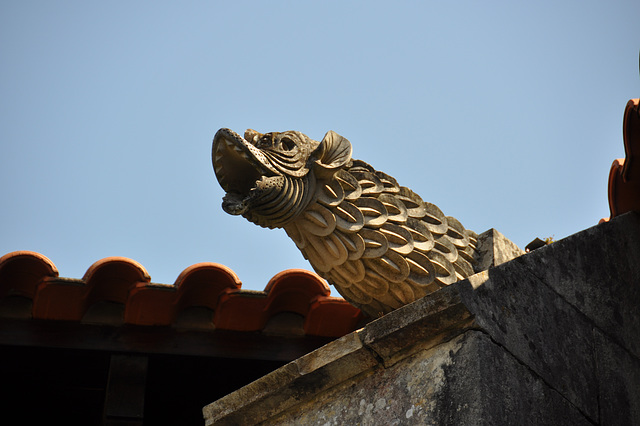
(379, 243)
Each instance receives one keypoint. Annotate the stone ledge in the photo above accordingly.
(468, 380)
(297, 381)
(417, 326)
(527, 313)
(426, 323)
(421, 325)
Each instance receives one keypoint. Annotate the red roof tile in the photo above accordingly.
(198, 285)
(624, 176)
(293, 290)
(22, 271)
(126, 284)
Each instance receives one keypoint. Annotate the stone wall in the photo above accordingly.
(551, 337)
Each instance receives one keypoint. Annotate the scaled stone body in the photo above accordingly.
(378, 243)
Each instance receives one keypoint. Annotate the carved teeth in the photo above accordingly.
(219, 172)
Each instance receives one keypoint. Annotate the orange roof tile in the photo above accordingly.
(126, 284)
(198, 285)
(624, 176)
(22, 271)
(293, 290)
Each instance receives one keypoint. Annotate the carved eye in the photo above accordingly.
(264, 142)
(288, 144)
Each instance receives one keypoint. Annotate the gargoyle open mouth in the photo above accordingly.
(270, 178)
(379, 243)
(238, 166)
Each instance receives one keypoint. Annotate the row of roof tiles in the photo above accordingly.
(118, 290)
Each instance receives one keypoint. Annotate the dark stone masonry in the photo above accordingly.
(550, 337)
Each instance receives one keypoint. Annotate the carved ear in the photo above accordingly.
(333, 152)
(252, 136)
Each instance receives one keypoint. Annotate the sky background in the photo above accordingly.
(506, 115)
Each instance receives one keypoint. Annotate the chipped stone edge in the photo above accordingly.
(427, 322)
(432, 320)
(494, 249)
(293, 383)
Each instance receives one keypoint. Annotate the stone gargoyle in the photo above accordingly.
(377, 242)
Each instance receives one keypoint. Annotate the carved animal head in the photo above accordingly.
(269, 178)
(377, 242)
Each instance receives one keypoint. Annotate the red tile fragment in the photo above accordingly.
(624, 176)
(62, 300)
(22, 271)
(631, 136)
(203, 283)
(198, 285)
(109, 279)
(241, 311)
(332, 316)
(292, 290)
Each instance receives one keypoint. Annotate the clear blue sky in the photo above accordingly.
(506, 115)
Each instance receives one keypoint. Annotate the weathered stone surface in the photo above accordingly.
(467, 381)
(428, 321)
(297, 381)
(438, 317)
(494, 249)
(618, 382)
(526, 342)
(598, 271)
(540, 329)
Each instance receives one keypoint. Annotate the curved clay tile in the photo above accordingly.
(198, 285)
(125, 282)
(631, 135)
(332, 316)
(293, 290)
(241, 310)
(22, 271)
(624, 176)
(109, 280)
(201, 284)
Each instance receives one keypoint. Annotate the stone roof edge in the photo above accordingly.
(380, 343)
(436, 318)
(465, 305)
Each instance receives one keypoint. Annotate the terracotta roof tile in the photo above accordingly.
(293, 290)
(118, 290)
(107, 280)
(22, 271)
(198, 285)
(624, 176)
